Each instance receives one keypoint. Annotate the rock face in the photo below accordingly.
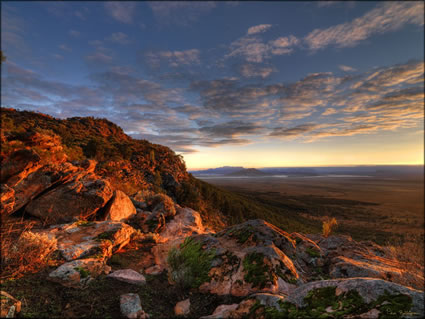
(120, 208)
(81, 239)
(10, 306)
(128, 275)
(20, 164)
(78, 273)
(79, 198)
(222, 311)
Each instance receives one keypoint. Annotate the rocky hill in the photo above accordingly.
(97, 224)
(252, 172)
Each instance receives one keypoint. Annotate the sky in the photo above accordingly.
(253, 84)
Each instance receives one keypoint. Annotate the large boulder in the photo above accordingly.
(252, 257)
(79, 198)
(78, 273)
(82, 239)
(120, 207)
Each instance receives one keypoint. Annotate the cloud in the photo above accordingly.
(74, 33)
(57, 56)
(329, 111)
(231, 129)
(250, 70)
(122, 11)
(386, 17)
(99, 57)
(12, 30)
(64, 47)
(294, 131)
(254, 49)
(258, 29)
(119, 37)
(346, 68)
(173, 58)
(180, 12)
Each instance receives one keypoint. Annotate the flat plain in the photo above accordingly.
(385, 209)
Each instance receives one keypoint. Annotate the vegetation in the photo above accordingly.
(328, 226)
(324, 303)
(256, 271)
(27, 254)
(190, 264)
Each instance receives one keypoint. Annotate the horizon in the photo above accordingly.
(251, 84)
(330, 166)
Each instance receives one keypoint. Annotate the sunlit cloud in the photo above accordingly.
(122, 11)
(258, 29)
(386, 17)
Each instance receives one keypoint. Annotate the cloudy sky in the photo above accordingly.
(255, 84)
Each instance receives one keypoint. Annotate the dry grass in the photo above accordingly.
(22, 250)
(328, 225)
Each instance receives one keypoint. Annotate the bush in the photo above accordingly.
(28, 254)
(328, 226)
(161, 202)
(189, 264)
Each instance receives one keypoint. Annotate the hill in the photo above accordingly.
(248, 172)
(108, 226)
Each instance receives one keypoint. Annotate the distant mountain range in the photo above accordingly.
(248, 172)
(372, 170)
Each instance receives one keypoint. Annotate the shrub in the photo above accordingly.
(155, 200)
(328, 226)
(190, 264)
(28, 254)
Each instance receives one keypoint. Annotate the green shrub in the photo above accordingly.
(190, 264)
(256, 271)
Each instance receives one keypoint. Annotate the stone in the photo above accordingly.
(222, 311)
(10, 306)
(128, 275)
(81, 239)
(79, 198)
(78, 273)
(131, 307)
(120, 207)
(182, 308)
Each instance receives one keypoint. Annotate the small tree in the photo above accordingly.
(3, 58)
(328, 226)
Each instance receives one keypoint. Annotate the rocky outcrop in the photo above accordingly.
(346, 258)
(78, 273)
(120, 208)
(20, 163)
(80, 198)
(7, 199)
(82, 239)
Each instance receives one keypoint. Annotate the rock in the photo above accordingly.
(268, 300)
(154, 222)
(368, 288)
(250, 258)
(348, 258)
(78, 273)
(130, 306)
(185, 223)
(10, 306)
(128, 275)
(81, 239)
(154, 270)
(20, 163)
(222, 311)
(78, 198)
(42, 179)
(371, 314)
(7, 199)
(182, 308)
(120, 207)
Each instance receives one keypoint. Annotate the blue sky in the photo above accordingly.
(229, 83)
